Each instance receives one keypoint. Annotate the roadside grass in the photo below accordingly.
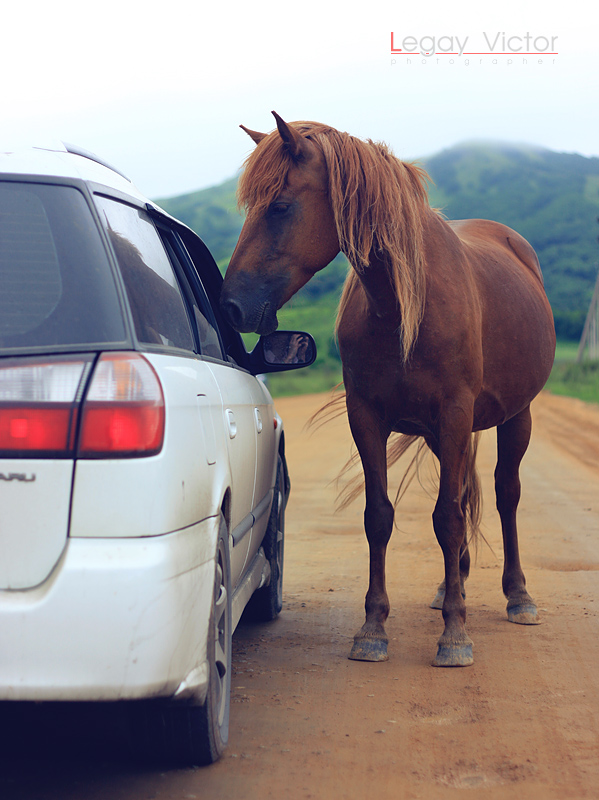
(304, 381)
(566, 350)
(572, 379)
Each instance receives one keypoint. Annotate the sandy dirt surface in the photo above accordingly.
(308, 723)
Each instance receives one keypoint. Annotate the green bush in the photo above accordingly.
(575, 380)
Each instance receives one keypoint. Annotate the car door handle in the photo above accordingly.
(232, 424)
(258, 418)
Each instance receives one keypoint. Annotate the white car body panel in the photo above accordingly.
(267, 443)
(240, 431)
(35, 497)
(117, 619)
(258, 414)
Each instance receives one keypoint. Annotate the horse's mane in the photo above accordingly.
(378, 203)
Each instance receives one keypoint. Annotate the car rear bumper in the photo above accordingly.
(116, 619)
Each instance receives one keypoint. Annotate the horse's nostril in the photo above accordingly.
(233, 313)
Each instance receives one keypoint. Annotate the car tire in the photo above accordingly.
(267, 602)
(180, 732)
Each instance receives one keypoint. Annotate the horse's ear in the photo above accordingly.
(254, 135)
(293, 140)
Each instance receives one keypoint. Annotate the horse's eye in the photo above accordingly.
(278, 209)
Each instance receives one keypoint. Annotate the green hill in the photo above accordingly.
(211, 213)
(551, 198)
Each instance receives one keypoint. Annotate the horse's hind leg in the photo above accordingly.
(464, 572)
(370, 643)
(512, 441)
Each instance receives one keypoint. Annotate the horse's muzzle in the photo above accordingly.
(256, 318)
(233, 313)
(249, 305)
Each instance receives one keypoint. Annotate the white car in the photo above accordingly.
(142, 467)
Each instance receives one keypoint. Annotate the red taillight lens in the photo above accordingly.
(43, 429)
(38, 405)
(123, 414)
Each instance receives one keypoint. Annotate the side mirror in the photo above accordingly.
(282, 350)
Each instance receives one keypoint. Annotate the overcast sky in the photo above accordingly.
(160, 89)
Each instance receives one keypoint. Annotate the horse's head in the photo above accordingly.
(289, 233)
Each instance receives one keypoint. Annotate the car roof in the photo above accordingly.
(55, 159)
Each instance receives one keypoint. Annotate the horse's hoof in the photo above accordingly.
(369, 650)
(523, 614)
(454, 655)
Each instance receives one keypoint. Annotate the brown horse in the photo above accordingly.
(444, 330)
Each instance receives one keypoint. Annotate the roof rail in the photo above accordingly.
(79, 151)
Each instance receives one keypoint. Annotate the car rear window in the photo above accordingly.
(56, 284)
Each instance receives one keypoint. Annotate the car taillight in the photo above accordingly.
(41, 402)
(123, 413)
(38, 405)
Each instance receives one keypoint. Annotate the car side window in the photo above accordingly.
(209, 341)
(211, 279)
(157, 307)
(208, 338)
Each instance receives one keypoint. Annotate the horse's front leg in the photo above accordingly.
(449, 521)
(370, 436)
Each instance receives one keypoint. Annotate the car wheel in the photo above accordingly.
(183, 733)
(267, 602)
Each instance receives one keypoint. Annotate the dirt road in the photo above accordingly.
(308, 723)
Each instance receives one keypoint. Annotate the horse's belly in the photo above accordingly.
(490, 411)
(507, 391)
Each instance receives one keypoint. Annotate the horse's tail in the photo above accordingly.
(333, 408)
(472, 504)
(397, 447)
(471, 491)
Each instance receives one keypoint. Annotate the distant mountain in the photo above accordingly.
(551, 198)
